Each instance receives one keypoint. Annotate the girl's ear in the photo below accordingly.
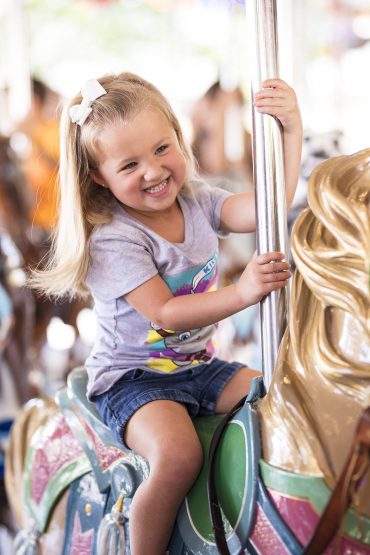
(95, 176)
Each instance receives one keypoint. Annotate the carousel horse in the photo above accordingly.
(70, 483)
(16, 252)
(24, 245)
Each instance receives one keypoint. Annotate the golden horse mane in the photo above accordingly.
(322, 376)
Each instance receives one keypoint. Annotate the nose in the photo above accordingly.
(152, 170)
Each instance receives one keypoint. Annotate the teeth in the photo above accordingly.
(157, 188)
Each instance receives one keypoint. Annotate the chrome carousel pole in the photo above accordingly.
(268, 172)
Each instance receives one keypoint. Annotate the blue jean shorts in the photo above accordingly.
(197, 388)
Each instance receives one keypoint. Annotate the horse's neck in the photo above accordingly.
(307, 425)
(322, 376)
(309, 435)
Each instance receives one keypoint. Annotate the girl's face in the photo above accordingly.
(142, 163)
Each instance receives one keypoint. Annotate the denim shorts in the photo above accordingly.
(198, 388)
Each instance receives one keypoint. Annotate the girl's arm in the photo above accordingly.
(279, 100)
(155, 301)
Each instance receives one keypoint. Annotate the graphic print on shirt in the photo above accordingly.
(169, 350)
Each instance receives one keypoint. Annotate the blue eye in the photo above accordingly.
(129, 166)
(161, 149)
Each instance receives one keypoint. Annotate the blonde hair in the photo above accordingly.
(84, 204)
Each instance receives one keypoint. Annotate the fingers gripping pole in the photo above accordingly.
(268, 174)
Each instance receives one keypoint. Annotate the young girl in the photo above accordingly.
(139, 231)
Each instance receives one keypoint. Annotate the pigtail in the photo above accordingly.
(64, 272)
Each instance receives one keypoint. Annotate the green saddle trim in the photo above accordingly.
(230, 461)
(236, 476)
(315, 490)
(197, 497)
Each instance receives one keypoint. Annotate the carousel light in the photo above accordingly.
(60, 336)
(86, 325)
(361, 26)
(21, 144)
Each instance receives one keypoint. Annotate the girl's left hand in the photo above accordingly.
(277, 99)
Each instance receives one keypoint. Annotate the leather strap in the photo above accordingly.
(330, 521)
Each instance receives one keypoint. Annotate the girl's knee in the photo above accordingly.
(191, 458)
(180, 460)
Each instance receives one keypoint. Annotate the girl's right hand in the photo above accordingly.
(264, 273)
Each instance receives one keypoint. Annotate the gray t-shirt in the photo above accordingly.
(124, 254)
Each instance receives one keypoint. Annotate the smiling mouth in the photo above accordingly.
(155, 189)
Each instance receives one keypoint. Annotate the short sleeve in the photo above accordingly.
(211, 200)
(117, 266)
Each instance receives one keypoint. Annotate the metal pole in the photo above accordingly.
(268, 171)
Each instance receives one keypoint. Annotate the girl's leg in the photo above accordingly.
(235, 389)
(163, 433)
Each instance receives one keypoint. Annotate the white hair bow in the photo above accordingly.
(90, 92)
